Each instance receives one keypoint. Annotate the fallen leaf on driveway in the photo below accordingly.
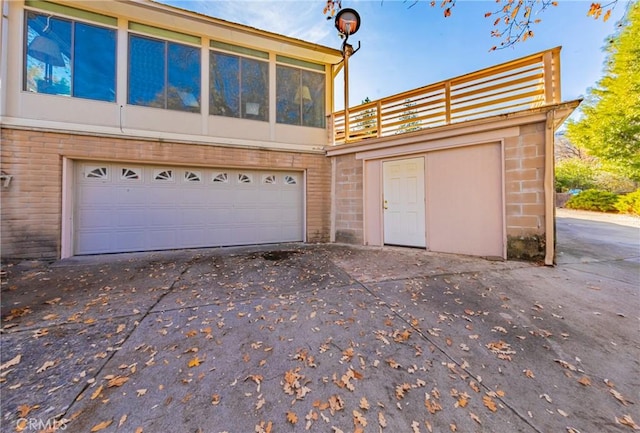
(584, 380)
(117, 381)
(292, 417)
(619, 397)
(47, 364)
(381, 420)
(415, 426)
(10, 363)
(96, 393)
(489, 403)
(24, 409)
(566, 365)
(359, 419)
(628, 421)
(475, 417)
(364, 404)
(101, 426)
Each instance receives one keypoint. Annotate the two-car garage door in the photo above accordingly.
(128, 207)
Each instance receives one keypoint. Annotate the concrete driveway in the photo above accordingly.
(321, 338)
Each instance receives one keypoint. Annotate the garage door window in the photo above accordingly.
(192, 176)
(290, 180)
(244, 178)
(97, 173)
(163, 175)
(131, 174)
(221, 178)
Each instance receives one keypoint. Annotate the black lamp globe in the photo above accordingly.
(347, 22)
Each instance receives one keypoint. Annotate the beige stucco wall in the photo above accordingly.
(31, 213)
(23, 109)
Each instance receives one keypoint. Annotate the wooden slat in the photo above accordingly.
(519, 84)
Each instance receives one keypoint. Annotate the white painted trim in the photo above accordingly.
(104, 131)
(332, 214)
(304, 206)
(443, 143)
(66, 240)
(503, 177)
(4, 56)
(549, 190)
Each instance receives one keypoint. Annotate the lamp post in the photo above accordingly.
(347, 22)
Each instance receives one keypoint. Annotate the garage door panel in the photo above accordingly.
(127, 240)
(134, 195)
(124, 207)
(130, 218)
(99, 218)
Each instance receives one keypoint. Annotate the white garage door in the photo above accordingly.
(125, 207)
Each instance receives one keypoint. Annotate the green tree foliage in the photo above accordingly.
(595, 200)
(610, 125)
(575, 173)
(629, 203)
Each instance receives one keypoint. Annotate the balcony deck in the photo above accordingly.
(520, 84)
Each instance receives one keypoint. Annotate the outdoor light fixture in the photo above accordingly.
(347, 22)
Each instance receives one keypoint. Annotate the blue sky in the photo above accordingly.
(405, 47)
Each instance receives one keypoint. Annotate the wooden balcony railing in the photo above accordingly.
(528, 82)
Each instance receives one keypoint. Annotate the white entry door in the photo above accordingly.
(404, 202)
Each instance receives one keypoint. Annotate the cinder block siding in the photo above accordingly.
(31, 205)
(524, 192)
(348, 200)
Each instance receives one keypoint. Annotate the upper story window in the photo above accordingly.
(239, 85)
(300, 94)
(70, 58)
(163, 74)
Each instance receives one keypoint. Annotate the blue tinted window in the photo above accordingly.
(183, 81)
(65, 57)
(163, 74)
(147, 72)
(287, 88)
(239, 87)
(255, 89)
(94, 63)
(48, 55)
(224, 96)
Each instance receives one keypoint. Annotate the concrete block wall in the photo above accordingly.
(524, 192)
(32, 204)
(349, 200)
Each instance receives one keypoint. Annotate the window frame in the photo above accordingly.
(302, 67)
(166, 42)
(72, 17)
(242, 55)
